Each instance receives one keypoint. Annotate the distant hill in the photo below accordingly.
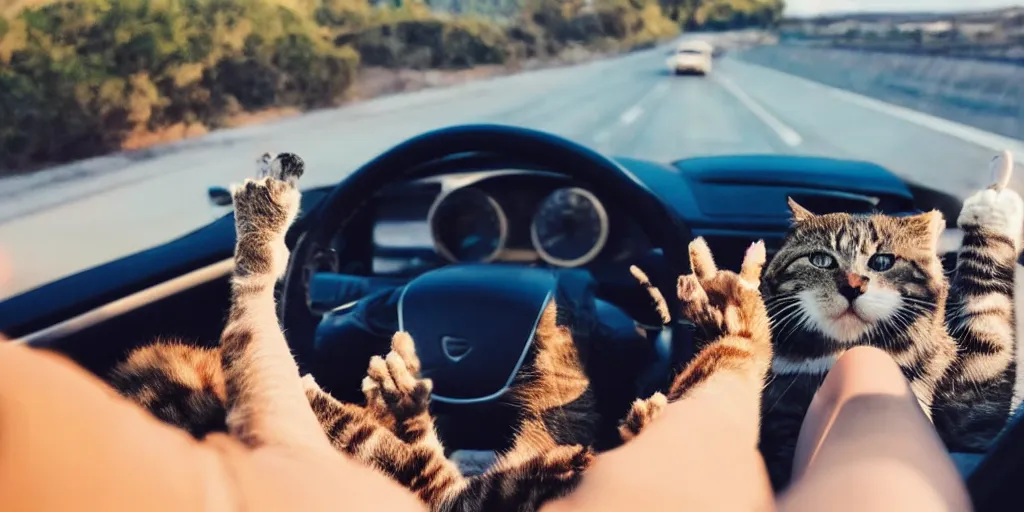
(990, 34)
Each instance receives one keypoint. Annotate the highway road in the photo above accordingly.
(625, 106)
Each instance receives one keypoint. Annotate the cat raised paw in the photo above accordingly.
(996, 208)
(393, 385)
(733, 331)
(265, 208)
(721, 302)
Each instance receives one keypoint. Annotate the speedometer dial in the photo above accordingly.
(468, 226)
(570, 227)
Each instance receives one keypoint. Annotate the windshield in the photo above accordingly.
(689, 52)
(117, 116)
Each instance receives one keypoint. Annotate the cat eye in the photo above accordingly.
(881, 262)
(822, 260)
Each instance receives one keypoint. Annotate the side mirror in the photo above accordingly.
(219, 196)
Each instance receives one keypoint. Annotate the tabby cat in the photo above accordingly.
(250, 385)
(841, 280)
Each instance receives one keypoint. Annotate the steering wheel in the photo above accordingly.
(497, 305)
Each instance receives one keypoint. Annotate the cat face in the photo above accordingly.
(849, 276)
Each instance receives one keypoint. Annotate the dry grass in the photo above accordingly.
(178, 131)
(8, 8)
(262, 116)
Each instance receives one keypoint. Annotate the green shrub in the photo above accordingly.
(81, 76)
(432, 43)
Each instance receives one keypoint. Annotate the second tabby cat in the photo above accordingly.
(841, 280)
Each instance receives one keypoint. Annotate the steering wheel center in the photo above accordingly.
(474, 325)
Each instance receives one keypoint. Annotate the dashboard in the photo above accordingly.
(509, 215)
(729, 200)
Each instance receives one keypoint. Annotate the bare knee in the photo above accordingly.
(865, 370)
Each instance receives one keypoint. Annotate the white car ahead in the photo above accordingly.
(691, 57)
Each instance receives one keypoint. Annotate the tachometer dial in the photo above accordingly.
(468, 226)
(570, 227)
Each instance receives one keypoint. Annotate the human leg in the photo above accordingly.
(866, 444)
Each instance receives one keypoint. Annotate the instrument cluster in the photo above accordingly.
(502, 216)
(523, 216)
(568, 227)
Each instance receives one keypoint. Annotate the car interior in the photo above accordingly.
(461, 236)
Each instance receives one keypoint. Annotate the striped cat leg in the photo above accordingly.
(975, 399)
(729, 314)
(731, 317)
(344, 424)
(553, 385)
(525, 485)
(393, 385)
(522, 480)
(645, 410)
(265, 399)
(394, 381)
(538, 468)
(356, 431)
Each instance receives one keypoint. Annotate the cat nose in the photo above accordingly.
(857, 281)
(855, 286)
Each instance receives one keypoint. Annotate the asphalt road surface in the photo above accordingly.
(627, 106)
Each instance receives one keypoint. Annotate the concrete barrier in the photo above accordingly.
(987, 95)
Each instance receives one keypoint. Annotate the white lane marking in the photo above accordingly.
(630, 116)
(633, 113)
(976, 136)
(787, 134)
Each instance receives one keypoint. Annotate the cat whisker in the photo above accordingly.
(783, 311)
(904, 321)
(782, 301)
(920, 302)
(803, 321)
(778, 298)
(796, 314)
(781, 396)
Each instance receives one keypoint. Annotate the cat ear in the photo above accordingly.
(800, 213)
(927, 226)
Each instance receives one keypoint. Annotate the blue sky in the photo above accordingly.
(802, 7)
